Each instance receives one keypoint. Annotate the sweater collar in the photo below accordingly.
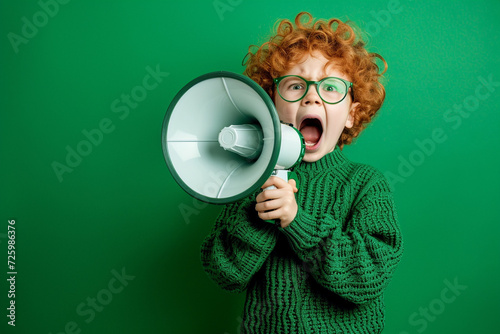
(332, 159)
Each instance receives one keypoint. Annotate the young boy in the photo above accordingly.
(325, 267)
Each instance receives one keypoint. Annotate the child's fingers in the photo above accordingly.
(268, 195)
(271, 215)
(274, 194)
(269, 205)
(279, 202)
(278, 182)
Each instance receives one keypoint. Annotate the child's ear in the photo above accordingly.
(350, 117)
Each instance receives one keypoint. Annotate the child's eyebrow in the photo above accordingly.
(308, 77)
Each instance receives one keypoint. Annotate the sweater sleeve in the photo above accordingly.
(354, 258)
(237, 246)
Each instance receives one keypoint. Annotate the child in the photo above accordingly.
(324, 268)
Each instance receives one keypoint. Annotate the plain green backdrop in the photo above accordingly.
(67, 70)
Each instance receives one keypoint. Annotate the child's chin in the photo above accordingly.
(318, 153)
(313, 156)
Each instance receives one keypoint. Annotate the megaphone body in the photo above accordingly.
(222, 138)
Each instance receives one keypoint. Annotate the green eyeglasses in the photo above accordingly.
(331, 90)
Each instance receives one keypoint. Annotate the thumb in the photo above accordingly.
(293, 184)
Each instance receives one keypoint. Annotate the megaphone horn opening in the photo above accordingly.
(221, 137)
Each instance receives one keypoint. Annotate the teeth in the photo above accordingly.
(310, 144)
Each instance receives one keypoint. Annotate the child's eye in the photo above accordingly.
(330, 88)
(296, 86)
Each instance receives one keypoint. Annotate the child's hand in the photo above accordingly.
(278, 203)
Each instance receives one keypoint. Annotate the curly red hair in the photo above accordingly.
(338, 43)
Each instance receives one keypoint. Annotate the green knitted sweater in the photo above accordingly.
(324, 273)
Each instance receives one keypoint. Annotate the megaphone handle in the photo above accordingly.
(281, 173)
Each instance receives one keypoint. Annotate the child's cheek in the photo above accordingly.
(285, 112)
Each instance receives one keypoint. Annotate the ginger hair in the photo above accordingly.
(338, 43)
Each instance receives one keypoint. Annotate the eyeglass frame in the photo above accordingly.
(317, 83)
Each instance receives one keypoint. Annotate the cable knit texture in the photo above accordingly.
(324, 273)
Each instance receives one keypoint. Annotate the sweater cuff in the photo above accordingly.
(306, 231)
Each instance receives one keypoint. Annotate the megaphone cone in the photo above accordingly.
(222, 138)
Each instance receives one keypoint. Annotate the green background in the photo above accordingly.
(120, 209)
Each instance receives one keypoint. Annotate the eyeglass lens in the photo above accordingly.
(294, 88)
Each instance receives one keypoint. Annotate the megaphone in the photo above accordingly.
(222, 138)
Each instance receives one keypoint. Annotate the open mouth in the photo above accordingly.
(311, 130)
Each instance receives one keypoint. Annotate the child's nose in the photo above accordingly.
(312, 96)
